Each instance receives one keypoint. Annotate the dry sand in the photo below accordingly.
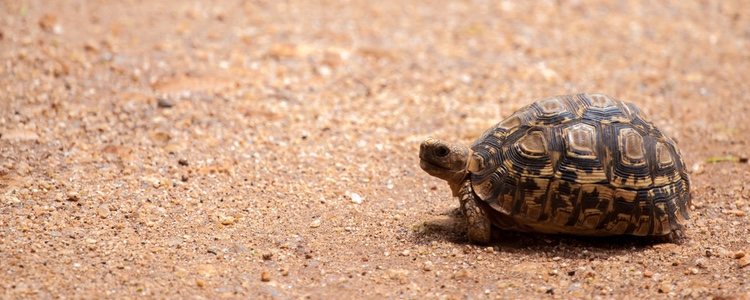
(242, 149)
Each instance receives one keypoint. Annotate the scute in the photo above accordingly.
(663, 156)
(581, 140)
(551, 106)
(584, 164)
(631, 145)
(511, 123)
(476, 163)
(601, 101)
(604, 109)
(533, 145)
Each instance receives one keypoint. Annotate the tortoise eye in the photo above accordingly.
(442, 151)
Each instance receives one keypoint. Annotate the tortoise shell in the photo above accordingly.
(583, 164)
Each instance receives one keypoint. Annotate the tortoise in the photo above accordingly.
(584, 164)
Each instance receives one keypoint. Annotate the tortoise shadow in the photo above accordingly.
(450, 227)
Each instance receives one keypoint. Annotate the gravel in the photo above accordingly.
(157, 149)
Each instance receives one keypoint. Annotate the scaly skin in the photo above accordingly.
(479, 227)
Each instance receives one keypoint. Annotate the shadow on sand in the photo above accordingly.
(450, 226)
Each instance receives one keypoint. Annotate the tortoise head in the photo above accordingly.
(444, 161)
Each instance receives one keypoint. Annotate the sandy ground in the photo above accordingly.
(232, 149)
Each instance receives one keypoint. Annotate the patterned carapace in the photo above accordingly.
(583, 164)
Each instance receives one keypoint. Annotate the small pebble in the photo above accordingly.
(735, 212)
(48, 22)
(427, 266)
(90, 46)
(356, 198)
(102, 211)
(739, 254)
(265, 276)
(182, 162)
(72, 196)
(164, 103)
(648, 274)
(315, 223)
(200, 283)
(709, 253)
(697, 168)
(267, 256)
(743, 262)
(153, 181)
(226, 220)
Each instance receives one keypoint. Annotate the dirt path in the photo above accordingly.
(216, 149)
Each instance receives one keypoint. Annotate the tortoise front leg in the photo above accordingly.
(479, 226)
